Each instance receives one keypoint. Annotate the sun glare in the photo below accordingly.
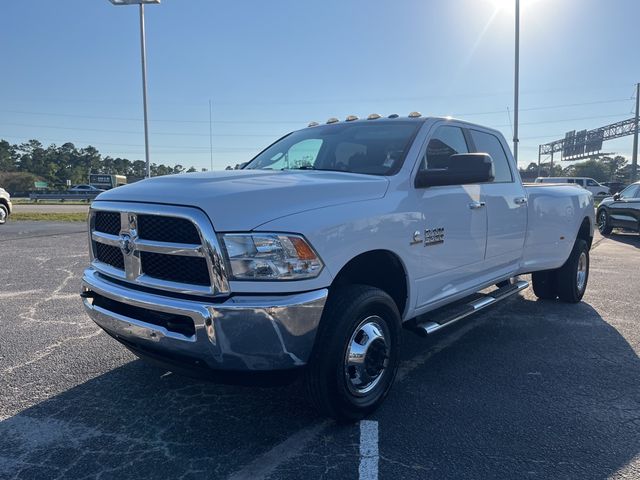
(510, 5)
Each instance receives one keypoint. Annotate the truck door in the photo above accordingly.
(453, 238)
(506, 203)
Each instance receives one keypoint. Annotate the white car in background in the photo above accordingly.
(585, 182)
(5, 206)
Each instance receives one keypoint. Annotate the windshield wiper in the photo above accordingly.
(302, 167)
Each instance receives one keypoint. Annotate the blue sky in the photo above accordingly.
(72, 70)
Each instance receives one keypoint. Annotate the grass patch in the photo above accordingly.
(49, 217)
(26, 201)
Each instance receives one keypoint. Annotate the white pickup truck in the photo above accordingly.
(315, 255)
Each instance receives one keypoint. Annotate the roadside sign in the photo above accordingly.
(40, 184)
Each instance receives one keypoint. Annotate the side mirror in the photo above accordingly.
(459, 169)
(616, 196)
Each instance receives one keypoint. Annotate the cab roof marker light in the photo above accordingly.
(374, 116)
(393, 115)
(415, 115)
(313, 124)
(351, 118)
(333, 120)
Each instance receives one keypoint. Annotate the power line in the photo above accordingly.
(565, 120)
(130, 132)
(291, 122)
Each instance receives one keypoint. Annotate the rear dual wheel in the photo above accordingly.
(569, 282)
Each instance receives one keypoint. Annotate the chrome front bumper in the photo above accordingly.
(243, 333)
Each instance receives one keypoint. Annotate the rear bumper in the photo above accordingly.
(243, 333)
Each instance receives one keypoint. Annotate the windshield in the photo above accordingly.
(371, 148)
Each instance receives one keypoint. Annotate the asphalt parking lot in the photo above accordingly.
(530, 389)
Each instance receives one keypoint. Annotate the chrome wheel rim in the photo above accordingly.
(367, 356)
(581, 275)
(3, 215)
(602, 220)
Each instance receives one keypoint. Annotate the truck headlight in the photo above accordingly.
(270, 256)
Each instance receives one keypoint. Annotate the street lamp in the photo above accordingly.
(516, 82)
(143, 52)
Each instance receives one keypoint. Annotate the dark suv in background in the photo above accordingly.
(622, 210)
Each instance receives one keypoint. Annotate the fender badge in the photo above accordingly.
(417, 238)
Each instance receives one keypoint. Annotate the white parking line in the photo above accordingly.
(266, 464)
(368, 450)
(293, 446)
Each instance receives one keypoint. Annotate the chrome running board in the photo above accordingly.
(445, 316)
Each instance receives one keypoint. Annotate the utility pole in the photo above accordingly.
(634, 158)
(210, 136)
(143, 50)
(516, 84)
(143, 54)
(539, 150)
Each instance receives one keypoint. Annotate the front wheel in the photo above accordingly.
(355, 357)
(4, 213)
(604, 226)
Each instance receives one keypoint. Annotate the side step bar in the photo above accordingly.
(447, 315)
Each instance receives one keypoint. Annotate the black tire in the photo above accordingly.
(572, 285)
(329, 381)
(4, 213)
(602, 219)
(545, 284)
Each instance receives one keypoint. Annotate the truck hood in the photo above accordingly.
(241, 200)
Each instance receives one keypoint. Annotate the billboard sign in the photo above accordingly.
(567, 146)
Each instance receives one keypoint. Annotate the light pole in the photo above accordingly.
(516, 84)
(143, 53)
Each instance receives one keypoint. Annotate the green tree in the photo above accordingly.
(595, 169)
(7, 157)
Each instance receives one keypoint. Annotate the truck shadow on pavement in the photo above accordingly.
(530, 391)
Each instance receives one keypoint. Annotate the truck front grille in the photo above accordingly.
(175, 268)
(140, 244)
(109, 255)
(167, 229)
(108, 222)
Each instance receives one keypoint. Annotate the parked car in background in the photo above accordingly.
(585, 182)
(5, 205)
(615, 187)
(86, 189)
(622, 210)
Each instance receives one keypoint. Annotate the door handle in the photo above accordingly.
(520, 200)
(476, 205)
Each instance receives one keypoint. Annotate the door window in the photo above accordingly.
(446, 141)
(490, 144)
(592, 183)
(631, 191)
